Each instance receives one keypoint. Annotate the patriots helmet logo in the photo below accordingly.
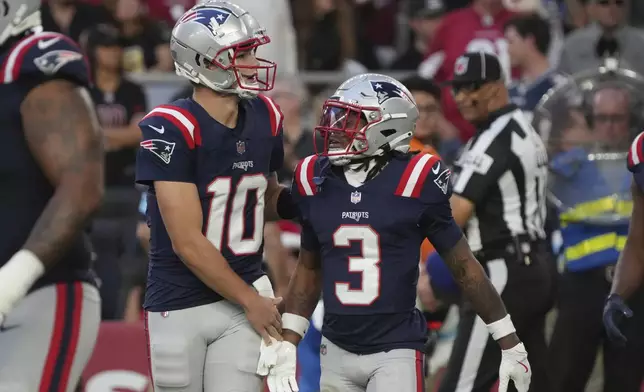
(160, 148)
(213, 18)
(50, 62)
(387, 90)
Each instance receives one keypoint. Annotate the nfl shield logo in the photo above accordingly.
(241, 147)
(356, 197)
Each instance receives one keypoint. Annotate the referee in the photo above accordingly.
(499, 197)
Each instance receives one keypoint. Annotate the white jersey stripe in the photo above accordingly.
(635, 153)
(187, 124)
(304, 180)
(415, 174)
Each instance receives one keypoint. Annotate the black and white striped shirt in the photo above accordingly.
(503, 170)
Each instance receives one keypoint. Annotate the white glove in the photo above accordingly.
(515, 367)
(267, 357)
(282, 376)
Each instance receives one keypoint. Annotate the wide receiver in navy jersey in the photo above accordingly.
(51, 170)
(365, 207)
(629, 273)
(209, 162)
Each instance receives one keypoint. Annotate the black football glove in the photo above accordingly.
(615, 310)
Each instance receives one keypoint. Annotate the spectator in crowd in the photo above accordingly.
(424, 17)
(291, 95)
(477, 28)
(145, 41)
(580, 50)
(120, 104)
(433, 133)
(328, 37)
(592, 231)
(276, 17)
(72, 17)
(528, 39)
(168, 11)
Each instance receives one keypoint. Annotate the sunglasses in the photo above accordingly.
(618, 3)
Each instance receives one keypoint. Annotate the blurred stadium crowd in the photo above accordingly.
(316, 44)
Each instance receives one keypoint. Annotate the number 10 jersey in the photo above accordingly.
(369, 241)
(229, 167)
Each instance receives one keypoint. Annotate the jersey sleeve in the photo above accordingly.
(168, 150)
(46, 56)
(635, 160)
(276, 118)
(436, 219)
(301, 191)
(476, 172)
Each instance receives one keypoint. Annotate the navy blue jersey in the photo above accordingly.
(528, 96)
(369, 240)
(635, 162)
(182, 143)
(31, 61)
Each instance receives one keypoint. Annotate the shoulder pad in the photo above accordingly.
(178, 118)
(274, 114)
(415, 175)
(47, 54)
(305, 175)
(636, 154)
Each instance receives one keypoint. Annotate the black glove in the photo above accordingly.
(615, 310)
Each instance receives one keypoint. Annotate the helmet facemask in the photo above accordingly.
(251, 76)
(342, 130)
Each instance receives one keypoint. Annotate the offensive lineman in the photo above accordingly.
(365, 207)
(209, 164)
(630, 267)
(51, 170)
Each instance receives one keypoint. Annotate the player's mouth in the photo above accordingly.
(249, 79)
(338, 141)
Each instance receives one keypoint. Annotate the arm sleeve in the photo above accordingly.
(163, 156)
(476, 174)
(436, 220)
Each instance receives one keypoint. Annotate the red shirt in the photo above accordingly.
(466, 31)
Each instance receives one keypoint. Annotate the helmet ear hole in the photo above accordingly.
(387, 132)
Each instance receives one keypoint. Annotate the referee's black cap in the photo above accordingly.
(476, 68)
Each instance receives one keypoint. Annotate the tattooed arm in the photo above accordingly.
(303, 294)
(63, 135)
(477, 288)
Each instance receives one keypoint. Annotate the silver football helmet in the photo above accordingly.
(17, 17)
(368, 115)
(214, 44)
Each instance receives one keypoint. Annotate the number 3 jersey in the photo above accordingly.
(369, 241)
(182, 143)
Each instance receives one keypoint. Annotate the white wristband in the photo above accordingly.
(17, 276)
(501, 328)
(295, 323)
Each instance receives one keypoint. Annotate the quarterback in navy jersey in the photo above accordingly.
(629, 273)
(365, 207)
(51, 170)
(209, 163)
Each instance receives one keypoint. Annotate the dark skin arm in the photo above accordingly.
(630, 267)
(470, 276)
(304, 290)
(63, 135)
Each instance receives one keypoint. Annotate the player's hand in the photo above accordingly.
(615, 310)
(263, 315)
(515, 367)
(281, 377)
